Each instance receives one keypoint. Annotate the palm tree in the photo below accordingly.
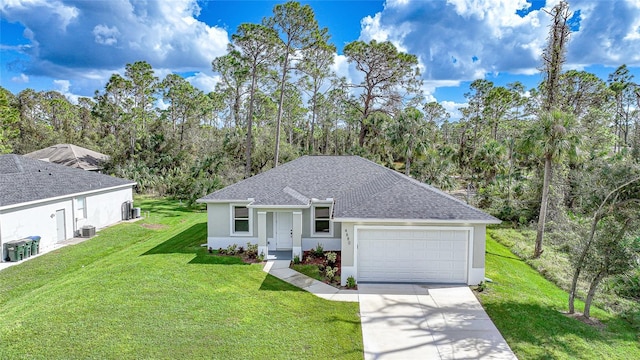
(550, 138)
(407, 134)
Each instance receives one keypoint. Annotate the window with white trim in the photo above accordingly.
(81, 209)
(241, 219)
(321, 220)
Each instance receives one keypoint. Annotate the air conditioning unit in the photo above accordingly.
(88, 231)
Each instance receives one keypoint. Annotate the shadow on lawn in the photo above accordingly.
(546, 328)
(272, 283)
(163, 207)
(188, 242)
(504, 256)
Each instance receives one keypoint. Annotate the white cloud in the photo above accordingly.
(206, 83)
(462, 39)
(106, 35)
(63, 87)
(21, 79)
(453, 108)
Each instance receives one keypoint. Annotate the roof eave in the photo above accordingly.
(266, 206)
(33, 202)
(415, 221)
(223, 201)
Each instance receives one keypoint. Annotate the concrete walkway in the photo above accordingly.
(404, 321)
(281, 270)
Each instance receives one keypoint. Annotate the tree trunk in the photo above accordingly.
(543, 206)
(407, 166)
(283, 80)
(249, 142)
(592, 291)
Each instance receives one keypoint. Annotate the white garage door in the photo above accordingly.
(412, 255)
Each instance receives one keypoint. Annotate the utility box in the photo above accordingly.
(126, 208)
(88, 231)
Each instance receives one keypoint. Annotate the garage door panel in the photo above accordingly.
(414, 255)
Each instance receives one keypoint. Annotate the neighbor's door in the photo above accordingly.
(284, 230)
(60, 225)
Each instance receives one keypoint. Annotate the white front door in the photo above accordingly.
(284, 230)
(60, 225)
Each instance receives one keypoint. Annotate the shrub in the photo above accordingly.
(232, 249)
(318, 251)
(252, 251)
(351, 282)
(296, 259)
(331, 257)
(330, 272)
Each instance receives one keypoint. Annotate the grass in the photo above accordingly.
(311, 271)
(554, 264)
(528, 311)
(149, 290)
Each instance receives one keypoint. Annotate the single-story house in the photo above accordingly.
(388, 226)
(71, 155)
(55, 201)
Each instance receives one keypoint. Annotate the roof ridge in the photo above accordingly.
(73, 151)
(295, 194)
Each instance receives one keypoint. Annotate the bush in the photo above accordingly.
(252, 251)
(331, 257)
(330, 272)
(318, 251)
(351, 282)
(232, 249)
(296, 259)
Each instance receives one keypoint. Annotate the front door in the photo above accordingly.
(60, 225)
(284, 230)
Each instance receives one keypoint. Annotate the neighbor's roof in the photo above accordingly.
(71, 155)
(361, 189)
(23, 180)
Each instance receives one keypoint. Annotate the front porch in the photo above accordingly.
(286, 240)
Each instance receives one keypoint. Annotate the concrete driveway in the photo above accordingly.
(404, 321)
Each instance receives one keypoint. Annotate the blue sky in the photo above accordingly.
(73, 46)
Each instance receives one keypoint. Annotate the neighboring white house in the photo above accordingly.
(388, 226)
(55, 201)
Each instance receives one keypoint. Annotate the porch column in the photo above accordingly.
(263, 249)
(297, 234)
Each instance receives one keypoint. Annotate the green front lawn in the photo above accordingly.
(148, 290)
(529, 312)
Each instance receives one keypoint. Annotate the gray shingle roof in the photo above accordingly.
(360, 188)
(23, 179)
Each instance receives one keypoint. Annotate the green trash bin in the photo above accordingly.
(26, 243)
(35, 245)
(18, 250)
(11, 248)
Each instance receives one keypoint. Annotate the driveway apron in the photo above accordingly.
(405, 321)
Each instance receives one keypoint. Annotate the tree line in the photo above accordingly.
(563, 155)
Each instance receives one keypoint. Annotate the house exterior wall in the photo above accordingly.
(105, 208)
(102, 209)
(219, 229)
(38, 219)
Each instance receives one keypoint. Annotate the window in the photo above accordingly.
(321, 220)
(81, 210)
(241, 219)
